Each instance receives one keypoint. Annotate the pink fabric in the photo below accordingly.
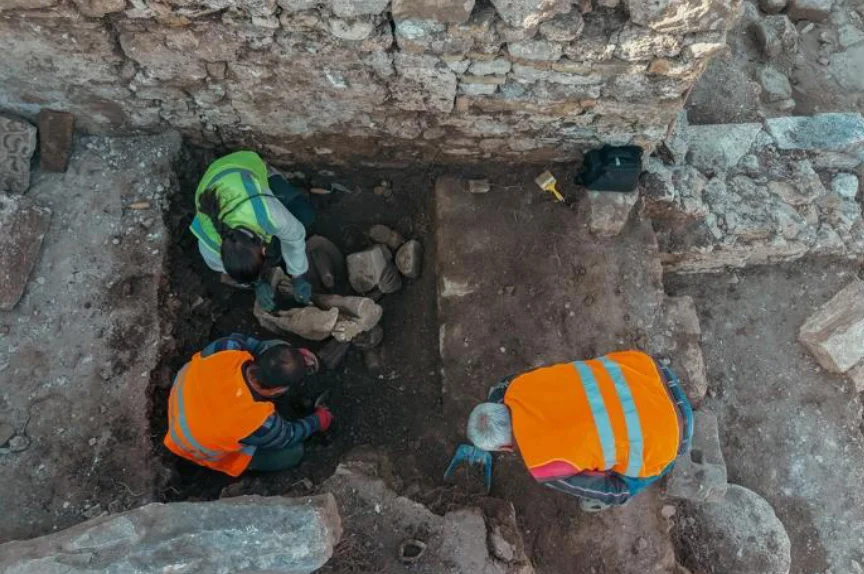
(557, 469)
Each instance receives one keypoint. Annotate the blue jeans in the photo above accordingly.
(273, 460)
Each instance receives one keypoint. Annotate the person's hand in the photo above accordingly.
(302, 289)
(325, 417)
(265, 295)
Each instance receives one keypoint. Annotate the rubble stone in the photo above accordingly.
(535, 50)
(354, 8)
(609, 211)
(24, 226)
(249, 533)
(356, 314)
(27, 4)
(307, 322)
(677, 143)
(776, 35)
(681, 16)
(7, 431)
(391, 280)
(775, 85)
(478, 186)
(409, 259)
(365, 269)
(845, 185)
(369, 339)
(719, 147)
(742, 535)
(528, 14)
(447, 11)
(498, 66)
(99, 8)
(813, 10)
(834, 332)
(835, 132)
(383, 234)
(55, 139)
(772, 6)
(856, 375)
(847, 67)
(564, 28)
(635, 44)
(682, 344)
(352, 30)
(700, 475)
(333, 353)
(17, 145)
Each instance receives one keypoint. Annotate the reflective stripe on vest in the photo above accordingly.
(178, 423)
(612, 413)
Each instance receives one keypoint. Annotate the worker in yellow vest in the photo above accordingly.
(249, 218)
(221, 413)
(602, 430)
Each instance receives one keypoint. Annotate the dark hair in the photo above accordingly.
(280, 366)
(241, 252)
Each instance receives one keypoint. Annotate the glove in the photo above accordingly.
(265, 296)
(325, 418)
(302, 289)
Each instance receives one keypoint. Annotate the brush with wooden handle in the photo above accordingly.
(547, 182)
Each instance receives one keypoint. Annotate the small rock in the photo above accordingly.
(409, 259)
(775, 85)
(7, 431)
(772, 6)
(833, 332)
(385, 235)
(479, 186)
(824, 60)
(19, 443)
(641, 544)
(845, 185)
(668, 511)
(501, 548)
(609, 211)
(366, 268)
(776, 35)
(807, 28)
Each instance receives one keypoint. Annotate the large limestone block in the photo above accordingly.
(741, 535)
(17, 145)
(446, 11)
(835, 333)
(24, 226)
(700, 475)
(527, 14)
(609, 211)
(833, 132)
(683, 16)
(245, 534)
(719, 147)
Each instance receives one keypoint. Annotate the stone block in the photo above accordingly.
(776, 35)
(306, 322)
(247, 533)
(477, 89)
(847, 67)
(742, 535)
(498, 66)
(845, 185)
(423, 83)
(813, 10)
(352, 30)
(24, 226)
(365, 268)
(563, 28)
(17, 145)
(27, 4)
(55, 139)
(682, 345)
(700, 475)
(608, 211)
(772, 6)
(835, 332)
(676, 145)
(409, 259)
(528, 14)
(775, 85)
(683, 16)
(856, 375)
(831, 132)
(99, 8)
(525, 73)
(535, 50)
(636, 43)
(446, 11)
(719, 147)
(355, 8)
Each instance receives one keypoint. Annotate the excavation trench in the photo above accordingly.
(394, 409)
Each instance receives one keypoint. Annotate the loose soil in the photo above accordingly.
(393, 409)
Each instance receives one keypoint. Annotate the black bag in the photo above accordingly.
(612, 168)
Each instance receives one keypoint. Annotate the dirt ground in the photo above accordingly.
(791, 431)
(394, 409)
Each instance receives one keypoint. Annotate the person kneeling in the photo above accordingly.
(221, 413)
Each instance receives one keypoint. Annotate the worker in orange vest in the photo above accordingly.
(221, 413)
(602, 430)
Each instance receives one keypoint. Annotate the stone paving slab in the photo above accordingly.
(24, 224)
(55, 139)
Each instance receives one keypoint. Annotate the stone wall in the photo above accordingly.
(331, 80)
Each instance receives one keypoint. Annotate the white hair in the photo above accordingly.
(489, 426)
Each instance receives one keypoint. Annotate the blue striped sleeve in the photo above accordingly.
(276, 432)
(233, 342)
(608, 488)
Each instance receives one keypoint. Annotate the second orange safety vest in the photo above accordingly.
(211, 409)
(612, 413)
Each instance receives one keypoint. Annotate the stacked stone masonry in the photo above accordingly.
(407, 81)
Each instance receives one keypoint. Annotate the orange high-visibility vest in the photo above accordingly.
(211, 409)
(612, 413)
